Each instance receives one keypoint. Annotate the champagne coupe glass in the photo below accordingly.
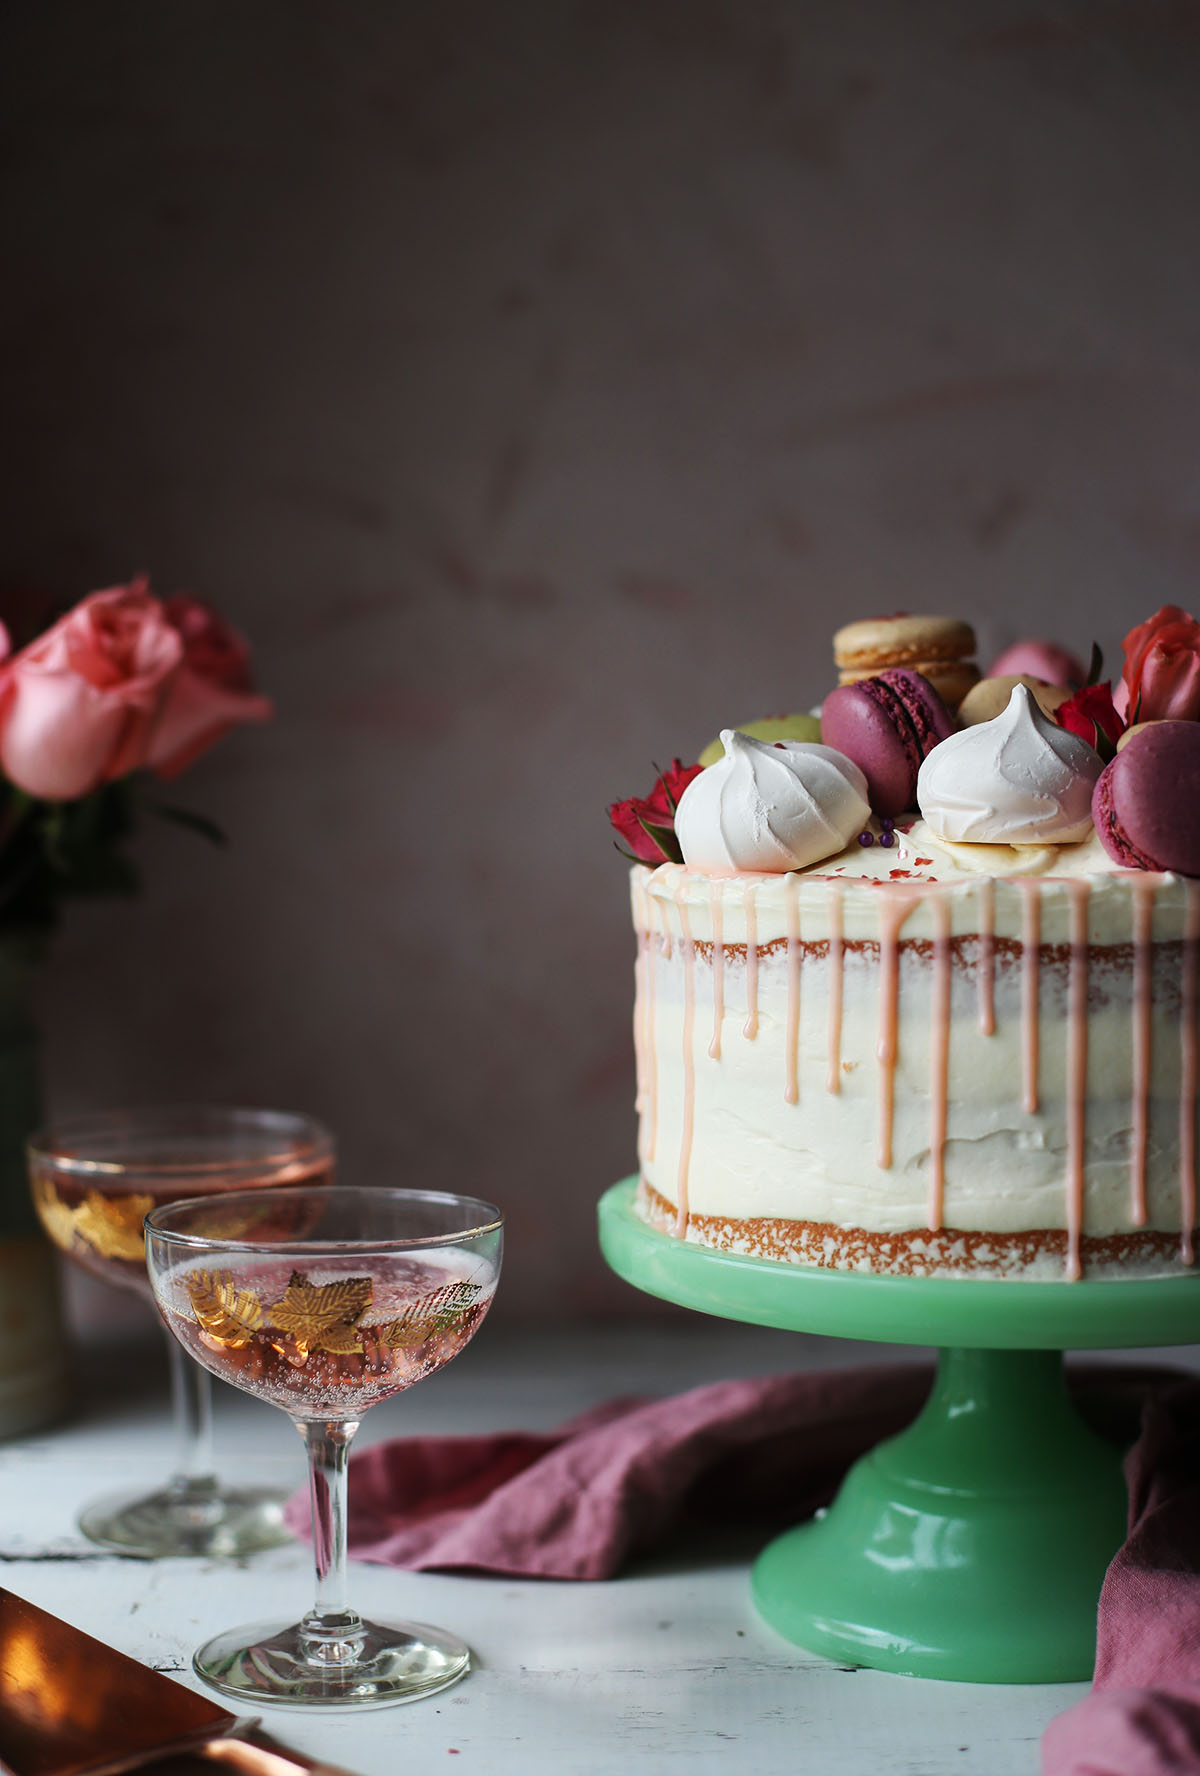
(94, 1178)
(348, 1296)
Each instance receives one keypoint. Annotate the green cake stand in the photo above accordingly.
(973, 1545)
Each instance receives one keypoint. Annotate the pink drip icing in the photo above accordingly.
(986, 966)
(894, 909)
(652, 1051)
(1031, 941)
(791, 1089)
(939, 1060)
(833, 1079)
(718, 968)
(689, 1068)
(1143, 922)
(1189, 1062)
(750, 1027)
(640, 1028)
(1077, 1061)
(639, 1019)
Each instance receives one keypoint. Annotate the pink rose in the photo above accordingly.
(211, 693)
(77, 705)
(1161, 676)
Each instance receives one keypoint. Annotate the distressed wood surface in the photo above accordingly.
(667, 1667)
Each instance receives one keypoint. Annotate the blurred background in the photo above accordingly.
(537, 387)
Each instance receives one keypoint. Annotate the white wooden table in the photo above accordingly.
(667, 1668)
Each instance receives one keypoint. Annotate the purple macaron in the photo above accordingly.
(887, 725)
(1146, 803)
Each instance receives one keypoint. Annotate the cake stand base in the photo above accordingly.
(974, 1544)
(971, 1546)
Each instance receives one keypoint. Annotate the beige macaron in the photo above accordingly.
(939, 648)
(1133, 732)
(991, 697)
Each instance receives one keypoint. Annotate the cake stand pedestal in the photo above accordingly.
(974, 1544)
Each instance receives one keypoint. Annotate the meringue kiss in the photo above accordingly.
(771, 807)
(1017, 780)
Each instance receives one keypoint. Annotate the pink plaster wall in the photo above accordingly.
(538, 385)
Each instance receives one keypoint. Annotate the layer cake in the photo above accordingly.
(869, 1042)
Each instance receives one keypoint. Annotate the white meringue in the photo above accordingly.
(770, 807)
(1017, 780)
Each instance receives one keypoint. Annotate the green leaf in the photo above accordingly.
(660, 776)
(52, 837)
(104, 872)
(79, 850)
(1095, 665)
(628, 854)
(664, 838)
(197, 823)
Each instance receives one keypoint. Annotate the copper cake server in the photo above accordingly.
(71, 1706)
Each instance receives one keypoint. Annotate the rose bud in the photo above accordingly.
(211, 693)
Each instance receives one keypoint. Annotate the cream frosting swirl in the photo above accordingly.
(770, 806)
(1017, 780)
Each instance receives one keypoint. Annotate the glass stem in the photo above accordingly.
(191, 1395)
(331, 1633)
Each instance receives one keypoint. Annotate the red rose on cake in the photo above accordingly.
(1092, 715)
(647, 823)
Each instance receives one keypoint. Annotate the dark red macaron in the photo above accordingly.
(887, 725)
(1146, 803)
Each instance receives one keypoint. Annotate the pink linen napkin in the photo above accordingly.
(582, 1501)
(1142, 1717)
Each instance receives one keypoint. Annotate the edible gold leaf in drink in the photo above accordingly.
(429, 1315)
(343, 1340)
(222, 1309)
(112, 1225)
(56, 1217)
(323, 1316)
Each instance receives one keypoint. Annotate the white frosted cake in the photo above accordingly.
(916, 1055)
(927, 1073)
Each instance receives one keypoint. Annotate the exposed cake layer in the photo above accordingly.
(1034, 1253)
(910, 1055)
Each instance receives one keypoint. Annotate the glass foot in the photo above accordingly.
(196, 1523)
(372, 1665)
